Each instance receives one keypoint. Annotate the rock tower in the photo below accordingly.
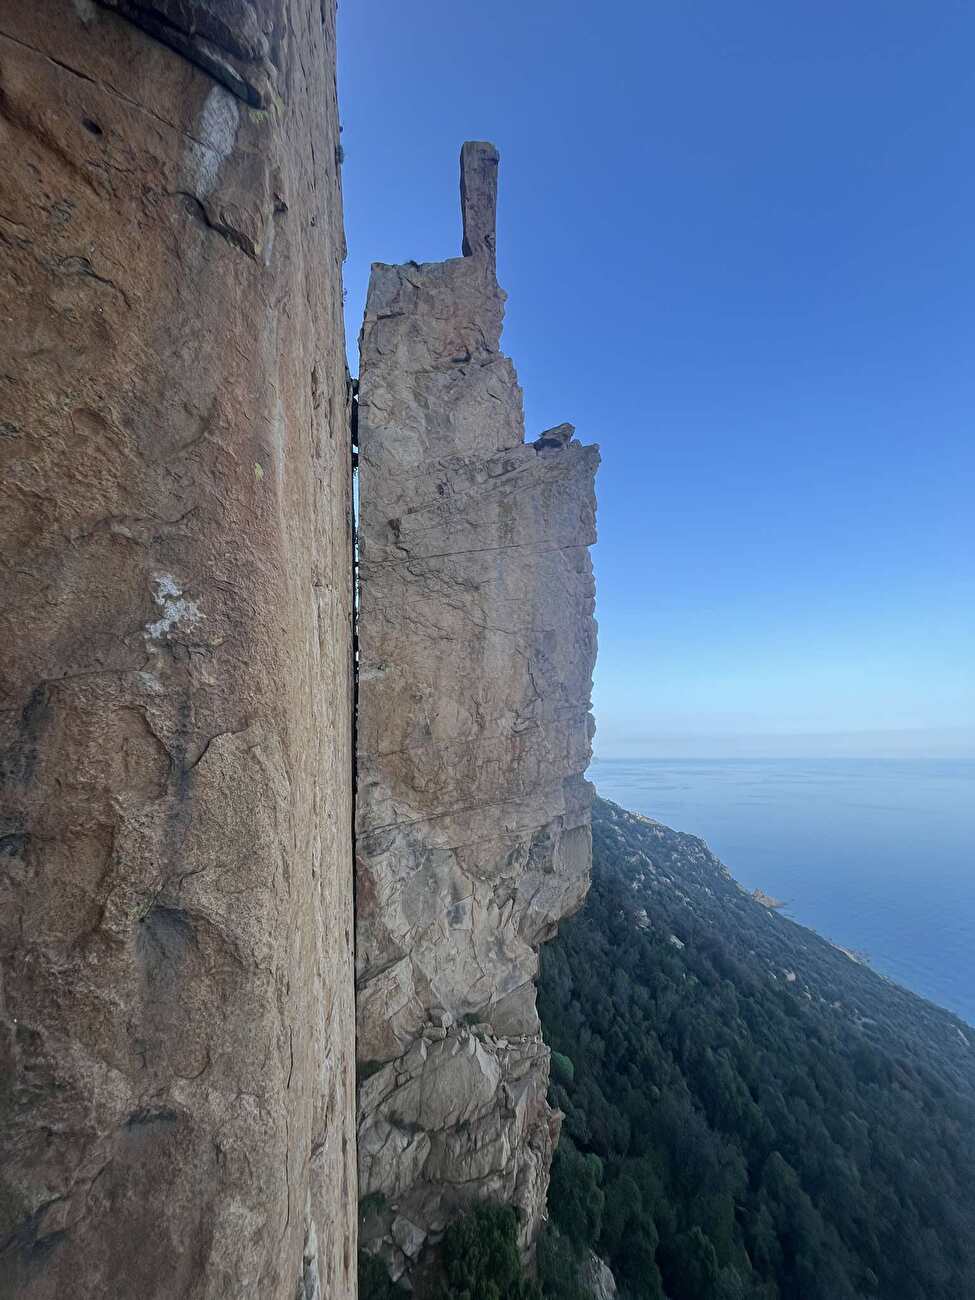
(476, 649)
(176, 1011)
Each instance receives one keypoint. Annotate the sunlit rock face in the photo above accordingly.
(176, 982)
(476, 650)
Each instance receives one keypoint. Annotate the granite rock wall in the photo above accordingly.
(476, 650)
(176, 1010)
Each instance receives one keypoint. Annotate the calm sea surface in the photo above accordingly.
(877, 855)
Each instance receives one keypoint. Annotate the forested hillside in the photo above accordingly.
(750, 1113)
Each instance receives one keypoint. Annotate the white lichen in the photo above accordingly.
(216, 133)
(177, 611)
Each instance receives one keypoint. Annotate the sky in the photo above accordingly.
(739, 246)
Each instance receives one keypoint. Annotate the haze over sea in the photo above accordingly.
(877, 855)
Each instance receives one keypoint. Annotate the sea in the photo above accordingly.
(876, 855)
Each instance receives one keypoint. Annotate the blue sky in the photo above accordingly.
(739, 246)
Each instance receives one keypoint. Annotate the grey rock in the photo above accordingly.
(477, 644)
(554, 439)
(479, 197)
(311, 1285)
(408, 1237)
(597, 1277)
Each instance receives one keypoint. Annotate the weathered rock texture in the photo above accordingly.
(176, 1025)
(476, 644)
(596, 1277)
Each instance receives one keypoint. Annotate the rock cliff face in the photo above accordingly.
(176, 1023)
(476, 645)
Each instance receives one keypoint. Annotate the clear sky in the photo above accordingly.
(739, 245)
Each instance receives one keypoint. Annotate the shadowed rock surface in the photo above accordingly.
(176, 1024)
(477, 644)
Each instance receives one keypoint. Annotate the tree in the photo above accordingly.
(576, 1196)
(480, 1259)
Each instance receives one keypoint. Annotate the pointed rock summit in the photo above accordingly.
(479, 197)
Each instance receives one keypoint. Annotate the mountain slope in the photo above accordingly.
(749, 1111)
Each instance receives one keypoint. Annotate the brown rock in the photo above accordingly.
(175, 903)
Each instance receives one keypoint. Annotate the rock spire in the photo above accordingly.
(476, 644)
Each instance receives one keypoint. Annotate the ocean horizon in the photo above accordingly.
(877, 855)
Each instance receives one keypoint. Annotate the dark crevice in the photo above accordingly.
(65, 67)
(354, 524)
(150, 1118)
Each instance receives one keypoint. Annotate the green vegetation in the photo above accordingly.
(563, 1071)
(480, 1260)
(374, 1203)
(750, 1115)
(374, 1282)
(366, 1069)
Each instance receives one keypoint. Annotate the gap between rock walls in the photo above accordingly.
(353, 400)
